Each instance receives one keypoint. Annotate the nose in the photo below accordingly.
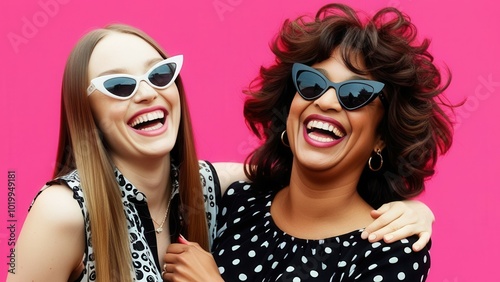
(145, 92)
(328, 101)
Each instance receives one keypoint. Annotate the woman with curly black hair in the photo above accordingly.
(366, 123)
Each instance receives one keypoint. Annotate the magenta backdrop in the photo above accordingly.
(224, 42)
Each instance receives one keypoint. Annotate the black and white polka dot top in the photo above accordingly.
(250, 247)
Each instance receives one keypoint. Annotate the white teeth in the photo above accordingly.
(148, 117)
(337, 132)
(158, 126)
(320, 139)
(324, 126)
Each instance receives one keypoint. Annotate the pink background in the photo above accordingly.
(224, 42)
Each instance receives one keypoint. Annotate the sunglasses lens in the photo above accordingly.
(310, 85)
(162, 75)
(120, 86)
(355, 95)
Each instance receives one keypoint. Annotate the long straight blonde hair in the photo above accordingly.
(81, 147)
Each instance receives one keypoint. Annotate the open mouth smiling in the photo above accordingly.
(323, 131)
(148, 121)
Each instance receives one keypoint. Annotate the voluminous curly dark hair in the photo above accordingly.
(415, 127)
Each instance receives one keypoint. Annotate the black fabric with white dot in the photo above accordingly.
(250, 247)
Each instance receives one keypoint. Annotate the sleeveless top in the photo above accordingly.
(251, 247)
(140, 226)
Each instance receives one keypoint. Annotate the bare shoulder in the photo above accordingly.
(56, 205)
(52, 240)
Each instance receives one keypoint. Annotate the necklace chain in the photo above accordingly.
(160, 225)
(175, 187)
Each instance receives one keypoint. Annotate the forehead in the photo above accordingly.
(119, 51)
(336, 69)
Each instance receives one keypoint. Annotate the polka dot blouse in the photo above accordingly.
(250, 247)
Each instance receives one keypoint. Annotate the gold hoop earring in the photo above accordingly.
(379, 154)
(283, 139)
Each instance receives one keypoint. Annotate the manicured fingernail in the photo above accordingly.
(182, 240)
(364, 235)
(372, 237)
(388, 237)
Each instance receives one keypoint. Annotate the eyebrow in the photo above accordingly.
(353, 77)
(149, 64)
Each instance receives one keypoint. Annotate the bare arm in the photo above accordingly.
(229, 173)
(397, 220)
(50, 246)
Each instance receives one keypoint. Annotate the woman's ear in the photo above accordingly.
(379, 144)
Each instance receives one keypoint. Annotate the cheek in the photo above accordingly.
(171, 95)
(297, 107)
(365, 124)
(105, 126)
(107, 115)
(293, 121)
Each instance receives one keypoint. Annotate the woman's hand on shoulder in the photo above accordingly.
(400, 219)
(51, 243)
